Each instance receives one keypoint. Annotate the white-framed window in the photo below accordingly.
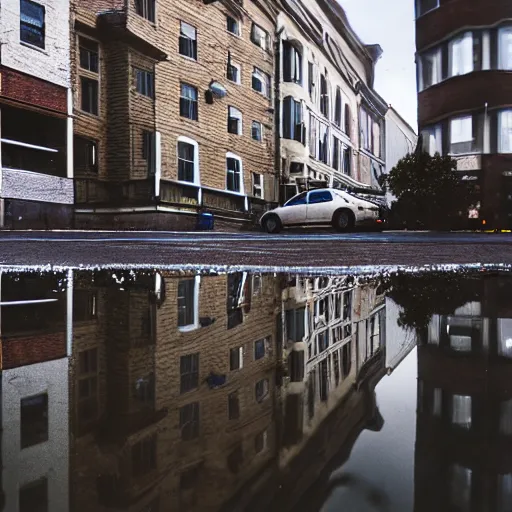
(233, 72)
(505, 48)
(257, 131)
(460, 55)
(432, 140)
(188, 303)
(189, 101)
(234, 121)
(236, 358)
(32, 23)
(232, 25)
(261, 82)
(292, 63)
(188, 41)
(234, 173)
(259, 36)
(461, 135)
(424, 6)
(257, 185)
(146, 9)
(505, 131)
(430, 68)
(188, 160)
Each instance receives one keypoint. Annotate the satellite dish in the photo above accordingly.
(218, 89)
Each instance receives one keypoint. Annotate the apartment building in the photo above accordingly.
(463, 62)
(331, 119)
(36, 151)
(174, 107)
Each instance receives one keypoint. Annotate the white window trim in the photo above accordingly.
(237, 115)
(239, 22)
(438, 64)
(195, 325)
(260, 185)
(192, 142)
(242, 186)
(239, 68)
(426, 12)
(261, 131)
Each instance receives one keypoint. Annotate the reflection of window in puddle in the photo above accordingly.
(505, 337)
(460, 487)
(506, 418)
(460, 332)
(461, 411)
(504, 493)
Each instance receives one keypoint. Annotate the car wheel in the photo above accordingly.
(272, 224)
(343, 220)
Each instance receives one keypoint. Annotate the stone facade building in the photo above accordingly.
(174, 106)
(463, 61)
(36, 164)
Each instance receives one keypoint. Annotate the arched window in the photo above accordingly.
(324, 96)
(293, 124)
(338, 108)
(348, 119)
(292, 63)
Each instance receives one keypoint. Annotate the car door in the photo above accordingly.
(294, 211)
(320, 206)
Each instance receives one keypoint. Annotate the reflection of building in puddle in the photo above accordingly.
(35, 450)
(464, 427)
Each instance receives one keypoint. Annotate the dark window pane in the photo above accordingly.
(34, 496)
(85, 154)
(32, 23)
(235, 361)
(146, 9)
(186, 158)
(233, 406)
(188, 102)
(34, 420)
(188, 41)
(186, 302)
(259, 349)
(261, 390)
(233, 174)
(232, 25)
(88, 54)
(189, 370)
(145, 82)
(144, 456)
(89, 101)
(323, 196)
(189, 421)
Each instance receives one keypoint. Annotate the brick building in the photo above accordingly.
(463, 60)
(36, 166)
(174, 111)
(331, 119)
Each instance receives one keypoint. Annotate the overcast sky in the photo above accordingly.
(390, 24)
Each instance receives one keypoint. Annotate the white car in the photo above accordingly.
(326, 206)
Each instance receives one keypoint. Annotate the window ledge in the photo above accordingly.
(188, 328)
(88, 114)
(34, 47)
(188, 58)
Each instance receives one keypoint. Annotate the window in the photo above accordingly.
(298, 200)
(506, 418)
(235, 459)
(312, 81)
(295, 318)
(189, 371)
(32, 23)
(145, 82)
(84, 305)
(461, 135)
(321, 196)
(144, 390)
(189, 421)
(336, 153)
(34, 496)
(85, 154)
(504, 493)
(366, 124)
(233, 72)
(432, 140)
(261, 390)
(260, 348)
(149, 150)
(87, 385)
(505, 48)
(261, 82)
(186, 161)
(313, 135)
(347, 305)
(259, 36)
(346, 354)
(257, 131)
(347, 161)
(430, 68)
(293, 126)
(323, 148)
(234, 121)
(89, 99)
(460, 484)
(146, 9)
(144, 456)
(338, 109)
(188, 102)
(505, 337)
(233, 406)
(424, 6)
(188, 41)
(187, 302)
(292, 63)
(505, 131)
(348, 119)
(260, 442)
(34, 420)
(234, 174)
(232, 25)
(324, 96)
(236, 358)
(257, 185)
(461, 411)
(460, 55)
(88, 54)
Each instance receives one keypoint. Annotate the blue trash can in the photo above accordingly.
(205, 221)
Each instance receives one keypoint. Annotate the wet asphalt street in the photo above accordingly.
(321, 249)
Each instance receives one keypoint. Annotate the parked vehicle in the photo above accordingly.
(340, 209)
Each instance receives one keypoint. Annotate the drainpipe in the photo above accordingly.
(277, 115)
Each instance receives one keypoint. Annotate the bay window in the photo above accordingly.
(292, 120)
(460, 55)
(505, 131)
(292, 63)
(505, 48)
(430, 68)
(461, 135)
(432, 140)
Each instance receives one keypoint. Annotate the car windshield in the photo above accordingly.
(300, 199)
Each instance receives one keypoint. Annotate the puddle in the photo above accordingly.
(212, 389)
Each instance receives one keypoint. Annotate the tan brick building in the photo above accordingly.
(174, 111)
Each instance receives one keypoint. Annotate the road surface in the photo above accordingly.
(305, 249)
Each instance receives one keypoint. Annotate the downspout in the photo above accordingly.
(277, 115)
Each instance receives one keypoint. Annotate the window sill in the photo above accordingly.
(189, 118)
(34, 47)
(88, 114)
(188, 328)
(239, 36)
(233, 82)
(186, 57)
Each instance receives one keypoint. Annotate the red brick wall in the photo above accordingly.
(37, 348)
(27, 89)
(466, 92)
(456, 14)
